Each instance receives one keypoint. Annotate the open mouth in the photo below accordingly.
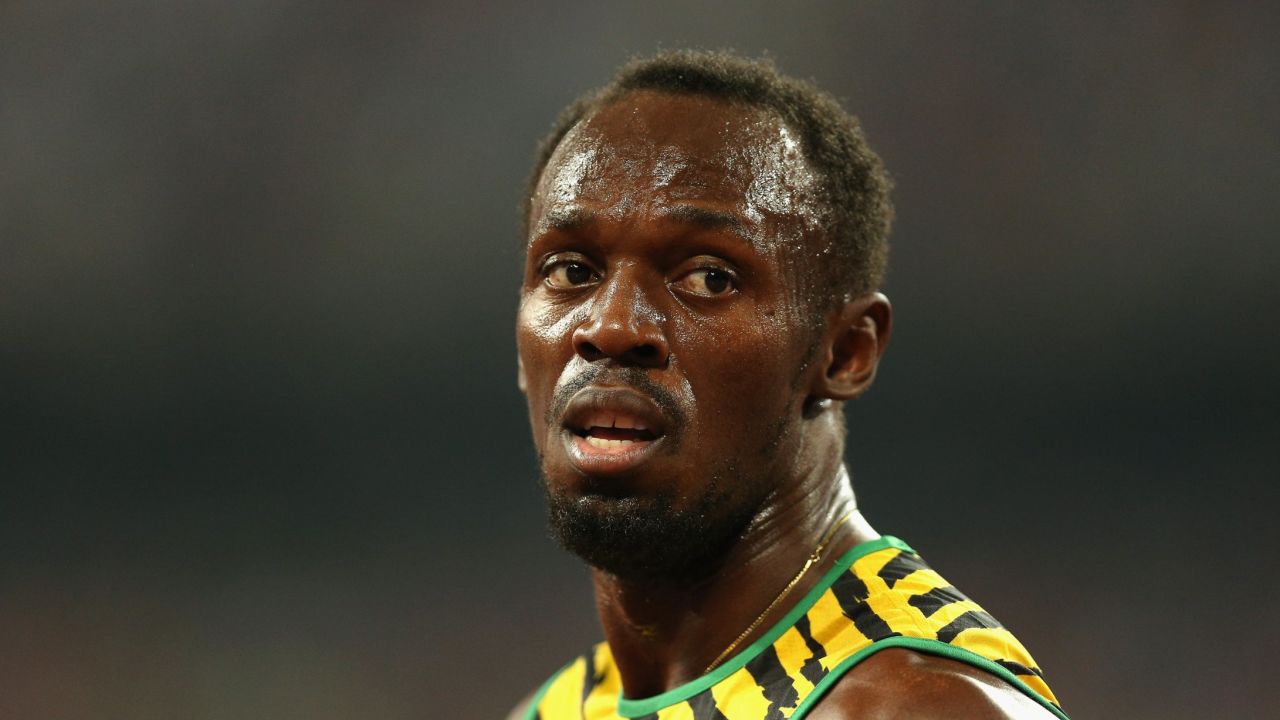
(613, 432)
(610, 430)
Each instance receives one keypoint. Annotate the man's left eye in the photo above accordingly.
(707, 282)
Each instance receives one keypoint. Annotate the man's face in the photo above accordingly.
(664, 327)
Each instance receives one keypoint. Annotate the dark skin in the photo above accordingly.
(671, 235)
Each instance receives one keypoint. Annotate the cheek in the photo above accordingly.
(546, 323)
(743, 372)
(544, 333)
(544, 343)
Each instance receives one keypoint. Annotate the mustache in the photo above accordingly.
(632, 377)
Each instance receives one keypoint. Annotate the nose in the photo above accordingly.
(623, 326)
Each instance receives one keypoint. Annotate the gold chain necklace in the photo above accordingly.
(813, 558)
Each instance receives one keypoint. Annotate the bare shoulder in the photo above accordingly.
(899, 683)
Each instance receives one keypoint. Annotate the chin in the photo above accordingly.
(645, 538)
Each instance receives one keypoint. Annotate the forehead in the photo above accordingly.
(649, 150)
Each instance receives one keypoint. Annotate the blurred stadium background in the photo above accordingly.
(261, 451)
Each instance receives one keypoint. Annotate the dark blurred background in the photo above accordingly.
(262, 451)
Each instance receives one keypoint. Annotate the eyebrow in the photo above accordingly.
(574, 218)
(567, 219)
(706, 219)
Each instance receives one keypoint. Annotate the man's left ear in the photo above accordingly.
(856, 337)
(521, 382)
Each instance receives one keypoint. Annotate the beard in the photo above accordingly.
(650, 539)
(661, 537)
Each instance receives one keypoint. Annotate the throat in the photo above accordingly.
(666, 634)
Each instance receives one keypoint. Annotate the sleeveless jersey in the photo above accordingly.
(878, 595)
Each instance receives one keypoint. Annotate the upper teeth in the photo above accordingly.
(615, 420)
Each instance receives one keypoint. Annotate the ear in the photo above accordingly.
(521, 382)
(856, 337)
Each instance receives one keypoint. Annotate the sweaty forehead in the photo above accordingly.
(650, 149)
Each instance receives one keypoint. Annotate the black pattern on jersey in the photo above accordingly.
(1018, 668)
(899, 567)
(591, 676)
(845, 603)
(812, 668)
(774, 682)
(851, 593)
(967, 621)
(704, 707)
(934, 600)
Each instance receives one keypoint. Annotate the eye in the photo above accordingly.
(708, 282)
(567, 274)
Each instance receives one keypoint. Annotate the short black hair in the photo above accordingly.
(854, 187)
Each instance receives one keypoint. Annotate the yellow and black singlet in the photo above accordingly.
(878, 595)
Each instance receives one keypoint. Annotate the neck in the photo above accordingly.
(663, 635)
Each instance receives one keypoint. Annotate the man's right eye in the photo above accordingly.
(566, 275)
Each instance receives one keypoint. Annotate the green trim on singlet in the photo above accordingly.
(531, 712)
(640, 707)
(930, 647)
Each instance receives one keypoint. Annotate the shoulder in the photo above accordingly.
(562, 692)
(899, 683)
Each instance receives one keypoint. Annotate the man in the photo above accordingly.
(705, 240)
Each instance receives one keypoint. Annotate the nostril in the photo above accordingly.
(647, 355)
(589, 352)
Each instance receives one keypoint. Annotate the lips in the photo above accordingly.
(611, 430)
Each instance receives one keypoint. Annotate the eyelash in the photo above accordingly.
(730, 278)
(550, 267)
(554, 263)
